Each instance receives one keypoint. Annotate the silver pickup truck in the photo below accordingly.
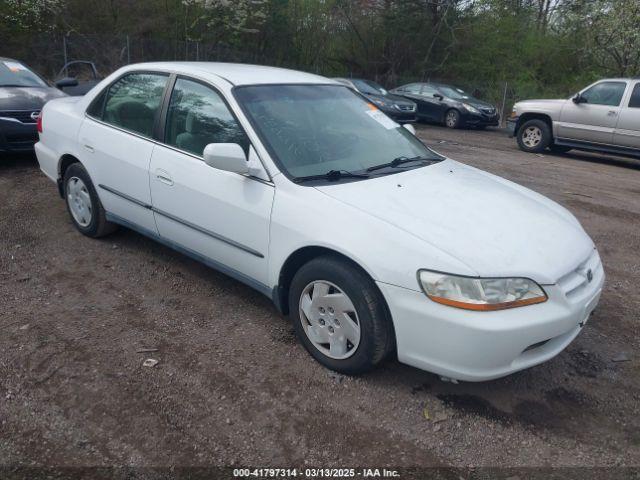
(604, 117)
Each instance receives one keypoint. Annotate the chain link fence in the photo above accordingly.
(48, 53)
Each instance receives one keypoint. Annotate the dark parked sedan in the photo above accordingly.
(22, 95)
(396, 107)
(449, 105)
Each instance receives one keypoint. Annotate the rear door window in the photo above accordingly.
(634, 101)
(133, 102)
(413, 88)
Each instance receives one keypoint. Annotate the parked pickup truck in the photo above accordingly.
(603, 117)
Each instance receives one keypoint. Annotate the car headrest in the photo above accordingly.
(134, 110)
(195, 123)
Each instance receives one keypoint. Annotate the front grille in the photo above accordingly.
(23, 116)
(407, 108)
(576, 281)
(488, 111)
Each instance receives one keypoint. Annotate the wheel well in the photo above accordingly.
(63, 164)
(296, 260)
(525, 117)
(444, 115)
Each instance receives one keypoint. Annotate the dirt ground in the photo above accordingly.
(233, 387)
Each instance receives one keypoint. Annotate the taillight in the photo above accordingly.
(39, 123)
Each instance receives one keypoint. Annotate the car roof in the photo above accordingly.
(237, 73)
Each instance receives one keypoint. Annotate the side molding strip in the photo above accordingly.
(186, 223)
(241, 277)
(125, 196)
(226, 240)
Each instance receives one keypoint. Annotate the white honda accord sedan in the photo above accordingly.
(372, 243)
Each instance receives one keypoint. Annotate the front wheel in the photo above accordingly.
(340, 316)
(452, 119)
(534, 136)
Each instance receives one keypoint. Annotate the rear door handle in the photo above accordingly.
(164, 177)
(612, 113)
(89, 148)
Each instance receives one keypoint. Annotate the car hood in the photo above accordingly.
(542, 102)
(395, 99)
(495, 227)
(474, 102)
(27, 98)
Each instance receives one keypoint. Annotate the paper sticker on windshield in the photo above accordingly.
(14, 66)
(382, 119)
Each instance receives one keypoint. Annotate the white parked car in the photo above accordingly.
(295, 185)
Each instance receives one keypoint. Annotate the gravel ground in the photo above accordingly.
(233, 386)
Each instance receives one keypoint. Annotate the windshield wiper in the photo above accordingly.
(332, 176)
(396, 162)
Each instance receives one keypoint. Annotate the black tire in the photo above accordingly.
(377, 338)
(559, 148)
(98, 226)
(452, 118)
(535, 126)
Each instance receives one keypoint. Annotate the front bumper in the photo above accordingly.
(512, 125)
(401, 116)
(479, 346)
(480, 119)
(17, 137)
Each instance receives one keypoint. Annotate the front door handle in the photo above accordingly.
(612, 113)
(164, 177)
(89, 148)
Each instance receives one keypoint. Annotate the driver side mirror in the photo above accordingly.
(578, 98)
(66, 82)
(229, 157)
(438, 96)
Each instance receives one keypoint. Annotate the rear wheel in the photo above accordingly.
(340, 316)
(534, 136)
(452, 119)
(83, 203)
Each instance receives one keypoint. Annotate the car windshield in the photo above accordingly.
(453, 92)
(315, 129)
(369, 87)
(15, 74)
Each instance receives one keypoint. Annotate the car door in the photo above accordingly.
(433, 107)
(116, 137)
(593, 120)
(221, 216)
(414, 92)
(627, 133)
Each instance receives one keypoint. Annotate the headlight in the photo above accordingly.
(470, 108)
(484, 294)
